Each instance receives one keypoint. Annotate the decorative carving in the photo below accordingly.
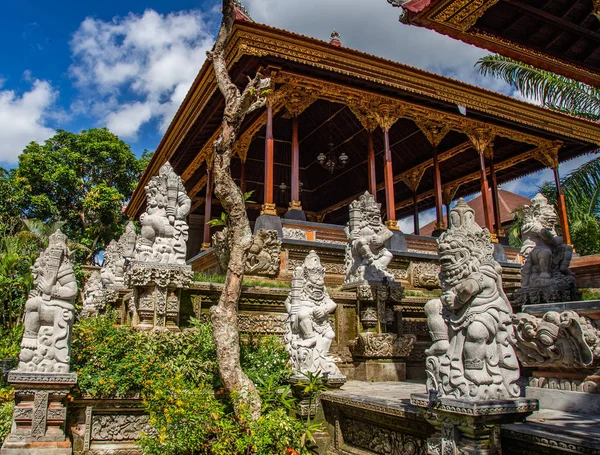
(309, 335)
(433, 131)
(273, 323)
(556, 340)
(380, 440)
(293, 233)
(95, 296)
(381, 345)
(139, 274)
(481, 137)
(471, 356)
(40, 411)
(463, 14)
(366, 256)
(164, 228)
(264, 255)
(119, 427)
(426, 275)
(115, 257)
(413, 176)
(545, 274)
(49, 311)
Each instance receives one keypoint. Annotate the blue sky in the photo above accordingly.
(128, 64)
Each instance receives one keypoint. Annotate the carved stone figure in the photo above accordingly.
(94, 296)
(115, 257)
(545, 274)
(264, 255)
(309, 334)
(366, 256)
(49, 311)
(164, 234)
(470, 324)
(565, 341)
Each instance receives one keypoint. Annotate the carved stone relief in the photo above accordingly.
(119, 427)
(380, 440)
(382, 345)
(426, 275)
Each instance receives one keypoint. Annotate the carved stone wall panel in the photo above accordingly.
(272, 323)
(425, 275)
(380, 440)
(119, 427)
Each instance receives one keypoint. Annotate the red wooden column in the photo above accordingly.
(295, 203)
(390, 203)
(268, 207)
(243, 177)
(495, 201)
(481, 139)
(437, 191)
(371, 166)
(207, 210)
(415, 213)
(562, 208)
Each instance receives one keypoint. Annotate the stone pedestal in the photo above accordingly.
(40, 413)
(308, 402)
(157, 294)
(470, 427)
(378, 352)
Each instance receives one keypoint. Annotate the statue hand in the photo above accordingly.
(319, 312)
(448, 299)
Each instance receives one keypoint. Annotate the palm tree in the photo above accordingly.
(553, 91)
(582, 186)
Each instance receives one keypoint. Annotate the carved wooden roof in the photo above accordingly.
(562, 36)
(340, 94)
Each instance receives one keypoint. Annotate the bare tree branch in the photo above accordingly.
(224, 314)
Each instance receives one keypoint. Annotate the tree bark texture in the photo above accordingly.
(238, 104)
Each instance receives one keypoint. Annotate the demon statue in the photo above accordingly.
(117, 254)
(366, 256)
(94, 296)
(308, 334)
(49, 311)
(545, 274)
(472, 355)
(164, 227)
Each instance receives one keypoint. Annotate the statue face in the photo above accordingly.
(454, 259)
(548, 218)
(373, 219)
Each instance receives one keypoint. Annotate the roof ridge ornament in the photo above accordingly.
(334, 38)
(241, 12)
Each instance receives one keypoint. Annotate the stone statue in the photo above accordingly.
(264, 255)
(545, 274)
(115, 257)
(564, 341)
(49, 311)
(94, 296)
(309, 335)
(366, 256)
(164, 228)
(472, 356)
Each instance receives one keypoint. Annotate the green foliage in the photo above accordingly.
(553, 91)
(83, 180)
(590, 294)
(10, 341)
(223, 220)
(203, 277)
(177, 376)
(7, 405)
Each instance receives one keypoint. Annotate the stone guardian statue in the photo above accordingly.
(472, 355)
(545, 274)
(309, 334)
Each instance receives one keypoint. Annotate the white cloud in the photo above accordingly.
(23, 119)
(141, 66)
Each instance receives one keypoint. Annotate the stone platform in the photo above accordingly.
(368, 418)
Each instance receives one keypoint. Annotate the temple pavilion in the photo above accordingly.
(339, 122)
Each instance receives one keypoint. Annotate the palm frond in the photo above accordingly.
(552, 90)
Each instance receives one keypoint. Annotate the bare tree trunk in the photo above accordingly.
(224, 315)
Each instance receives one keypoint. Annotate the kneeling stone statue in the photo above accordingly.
(472, 355)
(309, 334)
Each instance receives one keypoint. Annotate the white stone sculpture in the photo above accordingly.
(49, 311)
(94, 296)
(309, 334)
(366, 257)
(472, 355)
(164, 234)
(117, 254)
(545, 274)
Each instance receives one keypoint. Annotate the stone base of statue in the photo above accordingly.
(470, 427)
(558, 289)
(40, 413)
(157, 294)
(308, 402)
(378, 351)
